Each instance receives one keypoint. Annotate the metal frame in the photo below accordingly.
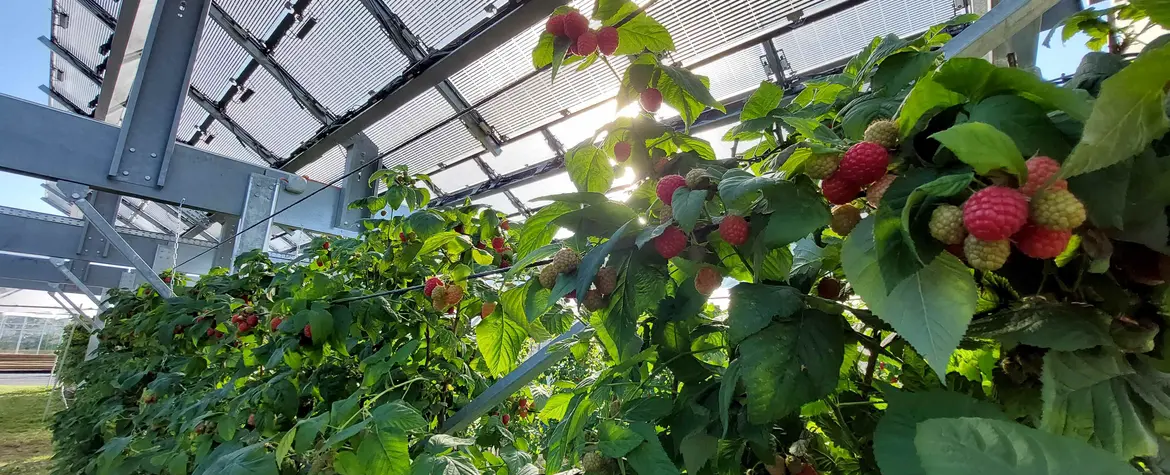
(73, 60)
(64, 100)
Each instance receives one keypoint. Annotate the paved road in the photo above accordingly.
(24, 379)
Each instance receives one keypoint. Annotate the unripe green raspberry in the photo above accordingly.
(820, 167)
(946, 224)
(1057, 209)
(565, 261)
(986, 255)
(548, 276)
(698, 179)
(845, 218)
(882, 132)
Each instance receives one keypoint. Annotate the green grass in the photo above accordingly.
(25, 441)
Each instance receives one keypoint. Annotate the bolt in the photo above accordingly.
(125, 173)
(147, 177)
(153, 155)
(132, 150)
(76, 196)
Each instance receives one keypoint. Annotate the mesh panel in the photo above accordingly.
(110, 6)
(448, 143)
(438, 22)
(498, 202)
(229, 146)
(84, 34)
(218, 60)
(701, 26)
(518, 154)
(559, 183)
(75, 86)
(272, 116)
(329, 167)
(258, 16)
(458, 177)
(417, 115)
(344, 58)
(735, 73)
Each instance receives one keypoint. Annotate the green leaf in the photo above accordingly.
(930, 309)
(560, 47)
(554, 409)
(589, 168)
(593, 260)
(978, 79)
(983, 147)
(972, 446)
(307, 431)
(687, 205)
(893, 440)
(812, 129)
(444, 239)
(536, 299)
(1086, 397)
(538, 230)
(609, 12)
(643, 33)
(697, 448)
(926, 99)
(762, 101)
(384, 451)
(799, 210)
(615, 439)
(738, 183)
(647, 409)
(600, 220)
(686, 92)
(439, 443)
(425, 223)
(1158, 10)
(650, 458)
(398, 415)
(640, 287)
(915, 220)
(321, 324)
(860, 112)
(752, 308)
(1025, 122)
(727, 392)
(1059, 326)
(538, 254)
(897, 71)
(1127, 116)
(580, 197)
(500, 341)
(285, 445)
(250, 460)
(791, 362)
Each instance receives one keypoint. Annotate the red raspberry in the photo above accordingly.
(555, 25)
(585, 44)
(621, 151)
(671, 243)
(498, 244)
(430, 285)
(838, 190)
(667, 185)
(252, 320)
(275, 323)
(878, 189)
(504, 225)
(864, 163)
(734, 230)
(995, 213)
(325, 246)
(575, 24)
(607, 40)
(1040, 242)
(480, 245)
(829, 288)
(1040, 169)
(402, 237)
(651, 99)
(308, 332)
(707, 280)
(505, 419)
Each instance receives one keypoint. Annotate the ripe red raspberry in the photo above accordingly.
(505, 419)
(402, 237)
(845, 218)
(1040, 169)
(667, 185)
(555, 25)
(671, 243)
(946, 224)
(308, 331)
(480, 245)
(429, 286)
(252, 320)
(621, 151)
(864, 163)
(575, 24)
(585, 44)
(829, 288)
(734, 229)
(986, 255)
(707, 280)
(838, 190)
(995, 213)
(498, 244)
(275, 323)
(1041, 243)
(504, 225)
(875, 192)
(325, 246)
(607, 40)
(651, 99)
(1057, 209)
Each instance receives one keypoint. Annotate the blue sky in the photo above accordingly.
(26, 66)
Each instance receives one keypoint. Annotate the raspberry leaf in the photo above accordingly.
(593, 260)
(792, 361)
(978, 79)
(599, 220)
(754, 306)
(893, 444)
(643, 33)
(1059, 326)
(799, 211)
(915, 222)
(896, 72)
(687, 205)
(765, 99)
(425, 223)
(926, 99)
(983, 147)
(609, 12)
(1025, 122)
(589, 168)
(500, 340)
(812, 129)
(686, 92)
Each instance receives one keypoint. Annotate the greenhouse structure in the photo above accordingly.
(647, 237)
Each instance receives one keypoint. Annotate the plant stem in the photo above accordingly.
(872, 363)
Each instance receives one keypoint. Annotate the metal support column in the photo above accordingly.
(143, 151)
(258, 207)
(774, 62)
(106, 229)
(357, 186)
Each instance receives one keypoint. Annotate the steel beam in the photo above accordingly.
(52, 144)
(261, 55)
(56, 96)
(60, 265)
(996, 27)
(126, 45)
(36, 273)
(147, 138)
(256, 221)
(515, 18)
(359, 153)
(213, 109)
(540, 361)
(106, 229)
(100, 13)
(77, 63)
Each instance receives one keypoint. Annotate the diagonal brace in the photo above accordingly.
(60, 265)
(107, 230)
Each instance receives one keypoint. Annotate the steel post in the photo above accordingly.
(358, 151)
(258, 207)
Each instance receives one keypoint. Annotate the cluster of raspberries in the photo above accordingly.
(565, 261)
(574, 26)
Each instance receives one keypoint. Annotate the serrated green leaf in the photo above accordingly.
(983, 147)
(538, 230)
(752, 307)
(686, 92)
(593, 260)
(793, 361)
(798, 211)
(643, 33)
(589, 168)
(762, 101)
(687, 205)
(926, 99)
(1059, 326)
(897, 71)
(727, 391)
(250, 460)
(978, 79)
(1025, 122)
(384, 451)
(738, 183)
(615, 440)
(893, 444)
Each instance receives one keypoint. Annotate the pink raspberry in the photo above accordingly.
(555, 25)
(995, 213)
(607, 40)
(864, 163)
(585, 44)
(667, 185)
(621, 151)
(651, 99)
(1040, 242)
(707, 280)
(498, 244)
(734, 230)
(575, 24)
(1040, 169)
(839, 190)
(671, 243)
(430, 285)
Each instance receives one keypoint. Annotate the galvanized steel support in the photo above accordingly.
(107, 230)
(360, 152)
(258, 207)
